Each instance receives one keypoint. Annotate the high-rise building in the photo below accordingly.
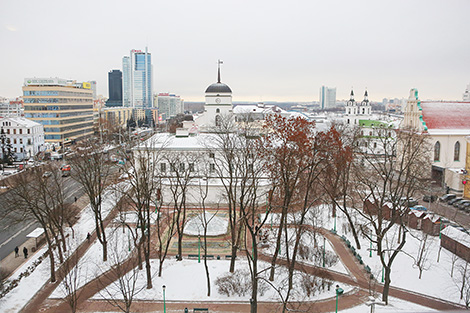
(137, 79)
(327, 97)
(64, 107)
(114, 88)
(169, 105)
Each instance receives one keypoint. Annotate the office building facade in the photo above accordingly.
(114, 88)
(169, 105)
(327, 97)
(64, 107)
(137, 79)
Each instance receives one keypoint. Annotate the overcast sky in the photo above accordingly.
(272, 50)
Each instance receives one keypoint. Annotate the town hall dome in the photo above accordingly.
(218, 88)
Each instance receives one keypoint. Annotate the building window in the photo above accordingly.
(163, 167)
(21, 141)
(181, 167)
(14, 131)
(212, 167)
(14, 141)
(375, 145)
(217, 110)
(191, 167)
(218, 122)
(172, 167)
(437, 151)
(29, 131)
(457, 151)
(21, 131)
(211, 155)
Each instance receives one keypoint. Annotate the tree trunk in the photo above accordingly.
(354, 232)
(278, 247)
(254, 279)
(205, 264)
(387, 283)
(51, 256)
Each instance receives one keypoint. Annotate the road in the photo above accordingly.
(448, 211)
(14, 234)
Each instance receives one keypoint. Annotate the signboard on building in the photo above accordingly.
(86, 86)
(45, 81)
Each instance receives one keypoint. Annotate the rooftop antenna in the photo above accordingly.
(218, 65)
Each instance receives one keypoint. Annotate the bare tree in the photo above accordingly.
(91, 170)
(287, 149)
(182, 172)
(143, 177)
(222, 150)
(421, 259)
(120, 284)
(336, 178)
(40, 198)
(72, 275)
(385, 182)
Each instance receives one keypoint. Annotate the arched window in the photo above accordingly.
(437, 151)
(217, 110)
(217, 120)
(457, 151)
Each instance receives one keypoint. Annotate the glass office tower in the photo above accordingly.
(137, 79)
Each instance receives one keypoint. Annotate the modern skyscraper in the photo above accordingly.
(327, 97)
(114, 88)
(64, 107)
(137, 79)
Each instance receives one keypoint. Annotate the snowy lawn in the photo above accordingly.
(395, 305)
(436, 279)
(216, 225)
(29, 286)
(186, 281)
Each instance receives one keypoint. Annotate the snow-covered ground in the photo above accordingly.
(186, 281)
(309, 242)
(28, 286)
(216, 225)
(436, 279)
(395, 305)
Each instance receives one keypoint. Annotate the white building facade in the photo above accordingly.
(447, 123)
(25, 136)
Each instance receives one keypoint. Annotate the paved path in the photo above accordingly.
(358, 277)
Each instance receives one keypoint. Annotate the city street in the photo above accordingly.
(14, 234)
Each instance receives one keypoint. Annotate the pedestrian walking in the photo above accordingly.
(25, 252)
(16, 251)
(88, 237)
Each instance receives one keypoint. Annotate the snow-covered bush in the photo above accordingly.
(238, 283)
(315, 254)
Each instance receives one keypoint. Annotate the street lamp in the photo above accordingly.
(164, 304)
(199, 248)
(324, 242)
(339, 291)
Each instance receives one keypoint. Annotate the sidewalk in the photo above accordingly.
(11, 263)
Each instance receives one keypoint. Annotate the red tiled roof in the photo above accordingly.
(446, 115)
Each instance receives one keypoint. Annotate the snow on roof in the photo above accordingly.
(433, 218)
(448, 115)
(417, 213)
(457, 235)
(22, 121)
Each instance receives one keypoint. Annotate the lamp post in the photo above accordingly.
(324, 242)
(199, 249)
(339, 291)
(164, 303)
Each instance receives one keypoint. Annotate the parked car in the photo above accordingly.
(429, 198)
(46, 174)
(463, 204)
(419, 208)
(457, 203)
(409, 202)
(452, 201)
(447, 197)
